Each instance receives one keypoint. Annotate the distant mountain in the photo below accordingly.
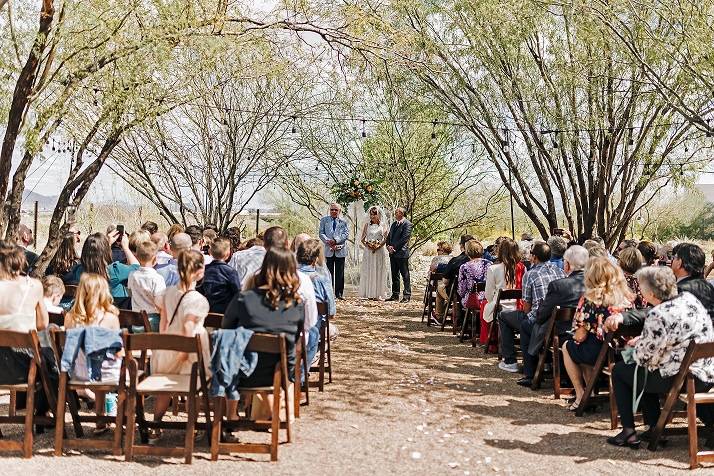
(45, 203)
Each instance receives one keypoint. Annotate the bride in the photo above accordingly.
(373, 273)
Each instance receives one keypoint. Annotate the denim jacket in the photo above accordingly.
(229, 362)
(96, 343)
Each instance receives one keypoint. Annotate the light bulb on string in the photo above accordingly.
(631, 140)
(364, 131)
(709, 129)
(555, 140)
(293, 129)
(433, 130)
(53, 145)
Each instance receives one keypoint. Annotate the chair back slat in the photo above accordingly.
(702, 351)
(564, 314)
(70, 291)
(508, 294)
(213, 319)
(433, 277)
(266, 343)
(19, 340)
(322, 308)
(56, 318)
(129, 319)
(156, 341)
(481, 287)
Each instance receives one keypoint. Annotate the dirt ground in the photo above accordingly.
(407, 399)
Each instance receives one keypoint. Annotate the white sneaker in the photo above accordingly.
(513, 368)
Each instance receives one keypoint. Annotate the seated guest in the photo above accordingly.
(272, 305)
(629, 243)
(163, 253)
(606, 293)
(173, 229)
(687, 265)
(146, 285)
(535, 286)
(564, 292)
(196, 234)
(151, 227)
(589, 244)
(310, 257)
(298, 240)
(179, 243)
(676, 319)
(247, 262)
(183, 312)
(65, 259)
(117, 253)
(53, 290)
(25, 239)
(209, 236)
(598, 251)
(233, 234)
(22, 309)
(220, 282)
(93, 308)
(139, 236)
(506, 273)
(451, 274)
(96, 258)
(649, 252)
(630, 261)
(558, 245)
(473, 271)
(443, 255)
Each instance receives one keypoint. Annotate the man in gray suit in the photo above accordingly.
(398, 247)
(334, 233)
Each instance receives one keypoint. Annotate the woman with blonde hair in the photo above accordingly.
(183, 311)
(93, 307)
(606, 293)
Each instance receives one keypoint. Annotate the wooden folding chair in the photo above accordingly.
(30, 342)
(493, 336)
(67, 395)
(603, 365)
(432, 287)
(452, 292)
(267, 344)
(132, 321)
(473, 314)
(324, 349)
(187, 386)
(691, 398)
(552, 345)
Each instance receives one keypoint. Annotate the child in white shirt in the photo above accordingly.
(146, 285)
(53, 288)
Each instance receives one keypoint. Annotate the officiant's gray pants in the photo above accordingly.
(400, 266)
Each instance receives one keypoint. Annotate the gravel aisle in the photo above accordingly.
(408, 399)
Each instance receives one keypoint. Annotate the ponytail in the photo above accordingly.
(189, 262)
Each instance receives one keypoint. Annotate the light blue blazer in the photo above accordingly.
(340, 235)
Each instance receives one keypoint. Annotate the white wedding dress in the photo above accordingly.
(373, 272)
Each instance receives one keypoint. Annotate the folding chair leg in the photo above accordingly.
(29, 414)
(275, 423)
(322, 366)
(611, 397)
(73, 403)
(556, 367)
(13, 403)
(216, 427)
(59, 415)
(298, 380)
(119, 423)
(692, 425)
(463, 324)
(132, 409)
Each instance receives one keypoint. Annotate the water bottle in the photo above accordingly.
(110, 404)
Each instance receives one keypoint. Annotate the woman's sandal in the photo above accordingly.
(622, 439)
(573, 406)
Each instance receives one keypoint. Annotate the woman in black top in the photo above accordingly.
(273, 306)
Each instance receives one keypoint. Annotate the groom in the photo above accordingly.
(398, 247)
(334, 233)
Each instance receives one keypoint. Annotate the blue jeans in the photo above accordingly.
(313, 343)
(529, 361)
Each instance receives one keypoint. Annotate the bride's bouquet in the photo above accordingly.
(374, 244)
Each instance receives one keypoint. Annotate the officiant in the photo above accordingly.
(398, 247)
(334, 233)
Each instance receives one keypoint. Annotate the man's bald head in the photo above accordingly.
(180, 242)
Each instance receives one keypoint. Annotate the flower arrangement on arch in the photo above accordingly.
(356, 189)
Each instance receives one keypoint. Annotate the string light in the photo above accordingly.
(433, 130)
(364, 131)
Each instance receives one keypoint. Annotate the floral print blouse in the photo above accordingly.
(634, 285)
(472, 272)
(592, 316)
(667, 332)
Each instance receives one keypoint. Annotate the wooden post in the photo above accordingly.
(257, 221)
(34, 228)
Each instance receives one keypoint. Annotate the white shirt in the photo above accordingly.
(51, 308)
(147, 289)
(207, 259)
(163, 257)
(247, 262)
(307, 293)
